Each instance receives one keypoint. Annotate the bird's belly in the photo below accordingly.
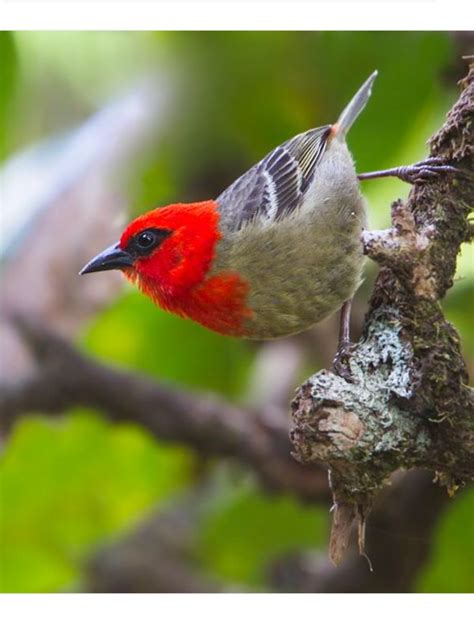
(299, 272)
(287, 310)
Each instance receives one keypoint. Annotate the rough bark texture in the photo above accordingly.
(408, 404)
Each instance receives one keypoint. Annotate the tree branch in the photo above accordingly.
(408, 404)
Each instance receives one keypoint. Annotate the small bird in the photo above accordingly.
(278, 251)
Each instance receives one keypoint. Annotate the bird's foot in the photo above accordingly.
(426, 170)
(340, 364)
(419, 173)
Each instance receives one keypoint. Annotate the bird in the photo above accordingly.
(276, 252)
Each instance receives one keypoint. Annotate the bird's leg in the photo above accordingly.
(340, 364)
(344, 324)
(416, 174)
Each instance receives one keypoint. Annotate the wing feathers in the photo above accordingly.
(277, 184)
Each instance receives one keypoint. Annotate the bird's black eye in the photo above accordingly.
(146, 240)
(143, 244)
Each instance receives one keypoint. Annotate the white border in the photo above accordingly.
(234, 613)
(235, 15)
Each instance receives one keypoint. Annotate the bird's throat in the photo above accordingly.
(218, 303)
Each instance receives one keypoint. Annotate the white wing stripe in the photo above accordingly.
(273, 200)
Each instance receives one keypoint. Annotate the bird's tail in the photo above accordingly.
(355, 107)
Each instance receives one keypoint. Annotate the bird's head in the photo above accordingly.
(167, 251)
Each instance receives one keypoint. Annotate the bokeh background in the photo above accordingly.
(98, 127)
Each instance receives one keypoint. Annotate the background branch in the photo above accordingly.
(157, 556)
(67, 379)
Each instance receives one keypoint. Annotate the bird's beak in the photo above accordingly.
(112, 258)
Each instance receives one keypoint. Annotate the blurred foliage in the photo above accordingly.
(66, 487)
(245, 531)
(8, 72)
(451, 569)
(169, 348)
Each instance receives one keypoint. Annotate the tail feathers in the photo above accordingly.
(355, 107)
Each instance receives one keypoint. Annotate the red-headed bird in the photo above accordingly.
(275, 253)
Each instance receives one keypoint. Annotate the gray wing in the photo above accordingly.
(276, 185)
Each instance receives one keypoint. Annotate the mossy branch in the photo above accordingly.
(408, 404)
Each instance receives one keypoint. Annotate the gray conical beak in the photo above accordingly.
(112, 258)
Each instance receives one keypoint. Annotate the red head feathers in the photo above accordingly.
(169, 253)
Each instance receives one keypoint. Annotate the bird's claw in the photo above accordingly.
(426, 170)
(420, 172)
(340, 365)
